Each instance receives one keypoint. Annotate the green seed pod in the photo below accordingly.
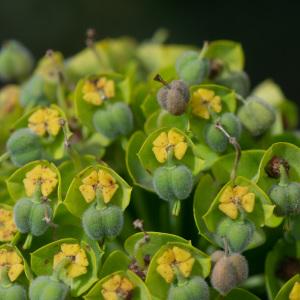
(104, 124)
(287, 198)
(22, 210)
(14, 292)
(24, 146)
(102, 223)
(238, 81)
(122, 117)
(38, 224)
(174, 97)
(192, 289)
(46, 288)
(238, 233)
(16, 61)
(191, 68)
(216, 139)
(173, 183)
(256, 115)
(228, 272)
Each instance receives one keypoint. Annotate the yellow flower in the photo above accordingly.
(45, 121)
(166, 141)
(79, 261)
(234, 198)
(95, 91)
(13, 262)
(101, 181)
(295, 292)
(204, 100)
(175, 258)
(7, 225)
(40, 175)
(116, 287)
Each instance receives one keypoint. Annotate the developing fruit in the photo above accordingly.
(14, 292)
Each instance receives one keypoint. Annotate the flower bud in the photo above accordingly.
(174, 97)
(228, 272)
(102, 223)
(22, 210)
(191, 68)
(216, 139)
(45, 288)
(192, 289)
(287, 198)
(14, 292)
(24, 146)
(256, 115)
(237, 81)
(237, 233)
(173, 183)
(16, 61)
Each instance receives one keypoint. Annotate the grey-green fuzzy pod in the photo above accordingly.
(256, 115)
(22, 211)
(102, 223)
(174, 97)
(173, 183)
(14, 292)
(46, 288)
(191, 68)
(192, 289)
(24, 146)
(237, 233)
(122, 117)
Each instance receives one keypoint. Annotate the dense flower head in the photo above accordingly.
(175, 258)
(204, 101)
(11, 260)
(116, 287)
(166, 141)
(101, 181)
(40, 176)
(96, 91)
(235, 198)
(45, 121)
(7, 225)
(79, 262)
(295, 292)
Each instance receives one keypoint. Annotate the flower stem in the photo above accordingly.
(284, 179)
(4, 157)
(28, 241)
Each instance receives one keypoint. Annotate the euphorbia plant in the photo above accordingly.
(167, 140)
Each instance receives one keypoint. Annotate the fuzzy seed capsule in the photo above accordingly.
(14, 292)
(193, 289)
(22, 211)
(24, 146)
(191, 68)
(256, 115)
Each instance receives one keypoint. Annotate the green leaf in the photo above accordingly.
(287, 288)
(150, 105)
(229, 52)
(75, 202)
(238, 294)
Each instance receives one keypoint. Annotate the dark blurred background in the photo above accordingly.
(268, 30)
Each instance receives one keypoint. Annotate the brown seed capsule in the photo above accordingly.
(273, 166)
(217, 255)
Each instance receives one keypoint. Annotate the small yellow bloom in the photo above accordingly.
(204, 100)
(95, 91)
(79, 261)
(100, 180)
(116, 287)
(11, 260)
(166, 141)
(45, 121)
(175, 258)
(7, 225)
(295, 292)
(40, 175)
(234, 198)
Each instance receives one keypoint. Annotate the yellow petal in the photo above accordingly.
(81, 258)
(54, 126)
(109, 89)
(93, 98)
(105, 179)
(37, 117)
(70, 249)
(13, 258)
(166, 272)
(58, 258)
(126, 285)
(227, 195)
(108, 192)
(109, 295)
(167, 257)
(201, 111)
(15, 271)
(216, 104)
(91, 179)
(205, 94)
(113, 283)
(39, 129)
(186, 267)
(29, 185)
(181, 254)
(101, 83)
(87, 192)
(229, 209)
(295, 292)
(35, 173)
(175, 137)
(161, 140)
(48, 186)
(160, 153)
(75, 270)
(180, 150)
(248, 202)
(239, 191)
